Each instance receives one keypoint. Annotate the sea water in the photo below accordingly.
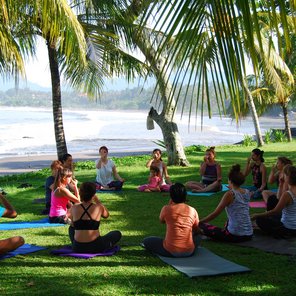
(29, 131)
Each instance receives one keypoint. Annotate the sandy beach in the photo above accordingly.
(30, 163)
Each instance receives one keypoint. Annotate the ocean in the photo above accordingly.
(29, 131)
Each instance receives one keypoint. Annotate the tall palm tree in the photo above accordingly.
(58, 25)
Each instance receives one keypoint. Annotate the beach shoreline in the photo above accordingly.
(31, 163)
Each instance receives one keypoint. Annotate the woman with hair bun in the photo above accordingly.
(238, 227)
(211, 175)
(255, 165)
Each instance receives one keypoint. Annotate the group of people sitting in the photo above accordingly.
(82, 209)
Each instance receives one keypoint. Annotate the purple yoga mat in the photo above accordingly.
(67, 251)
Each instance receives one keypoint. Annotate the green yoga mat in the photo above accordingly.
(204, 263)
(272, 245)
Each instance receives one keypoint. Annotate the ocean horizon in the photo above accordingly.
(29, 131)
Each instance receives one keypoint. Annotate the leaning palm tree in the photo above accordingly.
(123, 22)
(232, 26)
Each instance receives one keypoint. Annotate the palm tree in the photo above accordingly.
(57, 23)
(211, 38)
(124, 24)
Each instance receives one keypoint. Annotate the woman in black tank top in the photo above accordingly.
(84, 232)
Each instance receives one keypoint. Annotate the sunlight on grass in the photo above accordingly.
(133, 270)
(261, 288)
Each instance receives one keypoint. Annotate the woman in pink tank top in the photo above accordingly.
(61, 196)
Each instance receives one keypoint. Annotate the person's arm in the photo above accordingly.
(225, 201)
(248, 167)
(74, 198)
(9, 212)
(273, 175)
(202, 169)
(195, 227)
(104, 211)
(162, 213)
(219, 172)
(285, 200)
(149, 163)
(165, 173)
(116, 175)
(263, 175)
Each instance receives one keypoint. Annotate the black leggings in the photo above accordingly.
(273, 226)
(222, 234)
(101, 244)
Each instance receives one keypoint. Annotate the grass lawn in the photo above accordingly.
(133, 271)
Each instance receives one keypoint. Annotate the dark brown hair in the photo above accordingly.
(87, 190)
(236, 176)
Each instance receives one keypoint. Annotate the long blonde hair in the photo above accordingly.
(60, 175)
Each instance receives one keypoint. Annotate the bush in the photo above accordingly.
(248, 141)
(268, 136)
(279, 136)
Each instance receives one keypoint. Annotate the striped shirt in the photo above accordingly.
(289, 213)
(239, 222)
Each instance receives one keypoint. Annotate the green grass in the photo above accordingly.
(133, 271)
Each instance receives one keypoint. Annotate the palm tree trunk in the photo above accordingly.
(56, 101)
(254, 114)
(287, 123)
(165, 119)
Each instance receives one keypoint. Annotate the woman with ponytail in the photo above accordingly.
(255, 165)
(238, 227)
(61, 196)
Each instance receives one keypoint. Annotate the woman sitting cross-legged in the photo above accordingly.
(61, 196)
(8, 211)
(255, 165)
(236, 204)
(181, 227)
(271, 221)
(84, 231)
(211, 175)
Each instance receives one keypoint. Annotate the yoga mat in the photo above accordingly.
(23, 250)
(272, 245)
(31, 224)
(204, 263)
(257, 204)
(67, 251)
(224, 188)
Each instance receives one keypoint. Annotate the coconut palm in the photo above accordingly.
(123, 22)
(211, 38)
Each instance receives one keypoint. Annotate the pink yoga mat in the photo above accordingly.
(257, 204)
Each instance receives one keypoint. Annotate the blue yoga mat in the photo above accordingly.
(23, 250)
(204, 263)
(224, 188)
(31, 224)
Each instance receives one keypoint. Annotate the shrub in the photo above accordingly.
(248, 141)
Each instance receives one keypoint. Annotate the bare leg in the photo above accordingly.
(194, 185)
(10, 244)
(214, 187)
(9, 212)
